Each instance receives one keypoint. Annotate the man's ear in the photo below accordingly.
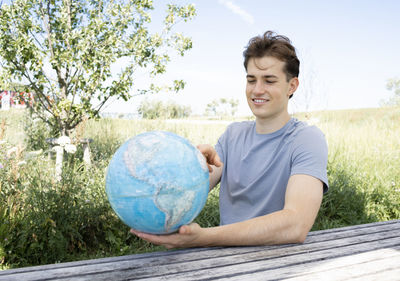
(293, 85)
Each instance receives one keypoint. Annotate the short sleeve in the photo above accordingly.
(310, 155)
(221, 146)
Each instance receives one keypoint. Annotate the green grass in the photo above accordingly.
(364, 156)
(44, 221)
(12, 125)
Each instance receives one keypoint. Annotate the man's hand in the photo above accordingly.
(211, 156)
(187, 236)
(213, 162)
(289, 225)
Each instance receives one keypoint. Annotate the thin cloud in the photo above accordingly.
(238, 11)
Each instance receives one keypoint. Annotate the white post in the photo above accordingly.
(59, 161)
(86, 153)
(5, 101)
(64, 143)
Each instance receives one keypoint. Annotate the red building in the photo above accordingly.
(12, 99)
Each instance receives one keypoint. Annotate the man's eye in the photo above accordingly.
(251, 81)
(270, 82)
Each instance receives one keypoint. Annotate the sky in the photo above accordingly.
(348, 50)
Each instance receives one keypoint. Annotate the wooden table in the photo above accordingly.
(362, 252)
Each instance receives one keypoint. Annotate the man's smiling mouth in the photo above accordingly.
(259, 101)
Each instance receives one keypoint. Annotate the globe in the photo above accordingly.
(157, 181)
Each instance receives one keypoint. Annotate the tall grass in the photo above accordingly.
(364, 159)
(45, 221)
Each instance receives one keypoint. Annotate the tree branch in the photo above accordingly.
(34, 86)
(46, 21)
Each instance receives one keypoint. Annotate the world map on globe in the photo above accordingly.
(157, 181)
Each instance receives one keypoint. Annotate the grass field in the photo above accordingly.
(45, 221)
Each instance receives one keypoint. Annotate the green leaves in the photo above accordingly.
(394, 84)
(163, 110)
(222, 107)
(175, 12)
(66, 52)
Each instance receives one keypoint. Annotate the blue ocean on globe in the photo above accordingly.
(157, 181)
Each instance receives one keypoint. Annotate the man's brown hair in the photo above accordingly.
(277, 46)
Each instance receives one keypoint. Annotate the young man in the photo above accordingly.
(272, 171)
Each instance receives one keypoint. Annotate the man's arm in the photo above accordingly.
(290, 225)
(215, 176)
(214, 163)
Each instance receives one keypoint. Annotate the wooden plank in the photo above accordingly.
(210, 268)
(358, 226)
(378, 262)
(204, 272)
(187, 259)
(101, 260)
(158, 258)
(383, 267)
(353, 231)
(392, 275)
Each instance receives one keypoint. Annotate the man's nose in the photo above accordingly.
(259, 88)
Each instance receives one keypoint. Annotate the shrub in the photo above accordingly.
(209, 216)
(345, 202)
(46, 221)
(36, 132)
(163, 110)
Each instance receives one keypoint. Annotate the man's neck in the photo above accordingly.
(267, 126)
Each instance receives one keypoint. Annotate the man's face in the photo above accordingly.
(267, 88)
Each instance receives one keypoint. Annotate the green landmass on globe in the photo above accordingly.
(157, 181)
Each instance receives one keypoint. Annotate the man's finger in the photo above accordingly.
(217, 161)
(210, 154)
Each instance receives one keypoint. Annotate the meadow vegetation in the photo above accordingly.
(45, 221)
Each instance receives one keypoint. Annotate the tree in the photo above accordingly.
(393, 84)
(312, 91)
(64, 51)
(222, 107)
(160, 110)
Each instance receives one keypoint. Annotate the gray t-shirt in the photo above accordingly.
(257, 167)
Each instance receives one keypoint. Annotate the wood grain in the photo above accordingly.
(364, 252)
